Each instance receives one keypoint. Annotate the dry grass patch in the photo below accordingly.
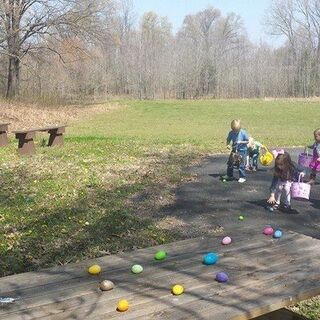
(26, 116)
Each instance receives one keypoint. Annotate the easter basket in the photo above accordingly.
(300, 190)
(236, 159)
(305, 159)
(266, 157)
(314, 165)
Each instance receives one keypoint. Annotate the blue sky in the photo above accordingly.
(251, 11)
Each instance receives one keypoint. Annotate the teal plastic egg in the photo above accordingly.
(210, 258)
(277, 234)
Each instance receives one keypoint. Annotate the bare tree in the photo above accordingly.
(25, 25)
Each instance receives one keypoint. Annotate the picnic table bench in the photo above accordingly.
(265, 274)
(26, 142)
(4, 134)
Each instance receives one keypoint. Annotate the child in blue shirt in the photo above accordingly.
(238, 138)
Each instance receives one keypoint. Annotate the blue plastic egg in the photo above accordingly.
(210, 258)
(277, 234)
(222, 277)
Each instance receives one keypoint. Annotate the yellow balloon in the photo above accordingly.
(123, 305)
(177, 289)
(95, 269)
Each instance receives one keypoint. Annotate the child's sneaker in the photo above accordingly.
(242, 180)
(226, 178)
(273, 207)
(286, 208)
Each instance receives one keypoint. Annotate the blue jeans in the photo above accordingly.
(242, 173)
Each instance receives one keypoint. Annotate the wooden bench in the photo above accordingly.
(56, 134)
(4, 134)
(26, 138)
(265, 275)
(25, 141)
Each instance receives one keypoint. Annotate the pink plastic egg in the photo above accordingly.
(226, 240)
(268, 231)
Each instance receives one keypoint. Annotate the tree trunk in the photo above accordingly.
(13, 77)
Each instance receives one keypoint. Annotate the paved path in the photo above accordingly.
(202, 205)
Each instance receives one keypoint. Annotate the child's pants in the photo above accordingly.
(254, 156)
(283, 186)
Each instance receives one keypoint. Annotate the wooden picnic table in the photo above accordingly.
(4, 134)
(265, 274)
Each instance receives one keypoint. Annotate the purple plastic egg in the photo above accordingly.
(222, 277)
(226, 240)
(268, 231)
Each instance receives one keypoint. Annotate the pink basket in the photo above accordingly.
(315, 165)
(305, 159)
(300, 190)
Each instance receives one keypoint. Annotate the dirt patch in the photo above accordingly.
(25, 116)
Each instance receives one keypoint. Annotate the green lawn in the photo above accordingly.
(66, 204)
(205, 123)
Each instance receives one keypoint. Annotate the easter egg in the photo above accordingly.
(136, 268)
(277, 234)
(160, 255)
(177, 289)
(226, 240)
(123, 305)
(222, 277)
(106, 285)
(95, 269)
(241, 218)
(268, 231)
(210, 258)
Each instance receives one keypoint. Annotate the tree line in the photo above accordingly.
(90, 48)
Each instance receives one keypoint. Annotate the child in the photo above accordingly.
(284, 174)
(239, 139)
(315, 162)
(253, 154)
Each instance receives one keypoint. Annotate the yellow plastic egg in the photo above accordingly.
(177, 289)
(123, 305)
(95, 269)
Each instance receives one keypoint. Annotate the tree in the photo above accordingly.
(26, 24)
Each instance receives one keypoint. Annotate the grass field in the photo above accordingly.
(63, 205)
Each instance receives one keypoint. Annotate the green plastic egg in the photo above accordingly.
(136, 268)
(160, 255)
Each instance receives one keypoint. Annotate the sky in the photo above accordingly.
(251, 11)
